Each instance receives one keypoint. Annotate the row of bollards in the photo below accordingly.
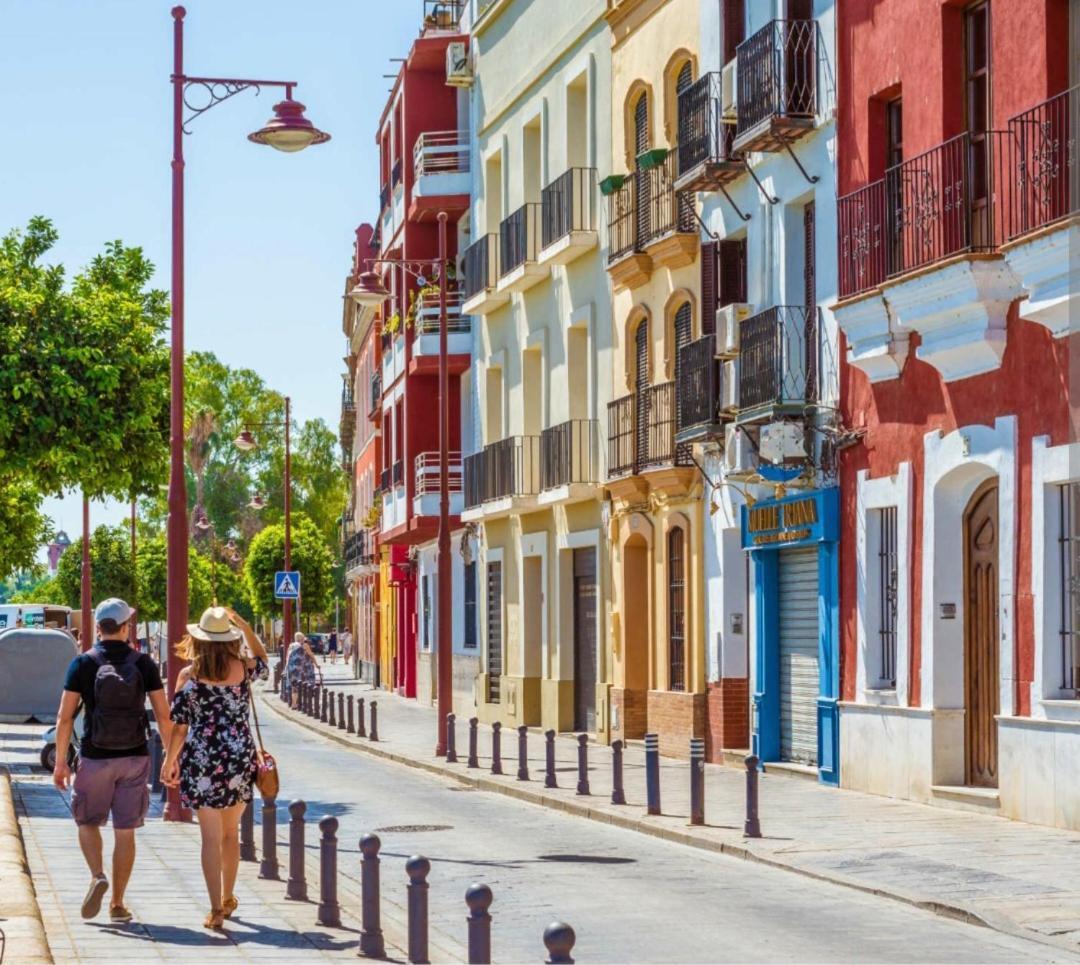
(337, 710)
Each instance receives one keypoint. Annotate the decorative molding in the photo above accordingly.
(1048, 266)
(877, 343)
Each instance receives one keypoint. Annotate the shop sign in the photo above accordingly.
(804, 517)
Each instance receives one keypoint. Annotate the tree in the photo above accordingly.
(23, 525)
(202, 577)
(110, 567)
(43, 591)
(310, 555)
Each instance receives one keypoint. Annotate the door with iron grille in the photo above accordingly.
(683, 337)
(642, 399)
(494, 632)
(585, 663)
(981, 695)
(642, 182)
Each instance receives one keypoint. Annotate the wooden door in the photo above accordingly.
(981, 637)
(585, 669)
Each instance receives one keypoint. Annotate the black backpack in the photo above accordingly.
(118, 722)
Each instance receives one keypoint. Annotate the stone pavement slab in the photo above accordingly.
(1019, 878)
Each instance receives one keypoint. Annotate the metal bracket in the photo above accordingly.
(761, 187)
(218, 89)
(812, 178)
(731, 201)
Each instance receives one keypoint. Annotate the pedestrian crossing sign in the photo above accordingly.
(287, 585)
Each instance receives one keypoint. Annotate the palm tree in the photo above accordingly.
(199, 434)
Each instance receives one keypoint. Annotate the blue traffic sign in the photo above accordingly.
(287, 585)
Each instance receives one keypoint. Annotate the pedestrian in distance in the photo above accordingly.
(332, 646)
(346, 645)
(111, 681)
(300, 667)
(211, 756)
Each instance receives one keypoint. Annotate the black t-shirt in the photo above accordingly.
(80, 680)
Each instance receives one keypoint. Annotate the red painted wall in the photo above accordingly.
(912, 48)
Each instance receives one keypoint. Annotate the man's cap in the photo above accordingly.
(113, 609)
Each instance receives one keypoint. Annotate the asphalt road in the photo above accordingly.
(630, 898)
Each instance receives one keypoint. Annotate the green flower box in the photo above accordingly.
(652, 159)
(612, 184)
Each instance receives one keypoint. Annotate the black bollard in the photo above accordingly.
(523, 753)
(618, 795)
(304, 703)
(549, 754)
(451, 739)
(341, 711)
(296, 888)
(374, 732)
(496, 748)
(752, 828)
(247, 832)
(329, 910)
(479, 898)
(559, 941)
(323, 715)
(652, 773)
(331, 717)
(361, 728)
(697, 780)
(583, 764)
(351, 728)
(269, 867)
(155, 763)
(417, 868)
(371, 936)
(277, 678)
(474, 760)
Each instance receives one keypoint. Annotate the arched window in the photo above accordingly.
(676, 554)
(641, 388)
(686, 199)
(641, 124)
(642, 184)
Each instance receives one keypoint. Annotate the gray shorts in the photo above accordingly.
(115, 784)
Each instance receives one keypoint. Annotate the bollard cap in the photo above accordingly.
(473, 721)
(328, 825)
(523, 729)
(297, 809)
(550, 735)
(497, 725)
(479, 898)
(417, 867)
(751, 762)
(451, 716)
(616, 745)
(369, 845)
(559, 940)
(583, 739)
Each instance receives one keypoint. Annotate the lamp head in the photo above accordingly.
(257, 501)
(288, 130)
(245, 442)
(369, 290)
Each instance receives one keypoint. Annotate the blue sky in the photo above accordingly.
(88, 143)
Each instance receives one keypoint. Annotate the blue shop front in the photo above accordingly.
(793, 543)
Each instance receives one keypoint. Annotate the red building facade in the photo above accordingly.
(960, 599)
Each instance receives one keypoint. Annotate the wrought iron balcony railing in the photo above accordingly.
(519, 237)
(441, 152)
(480, 265)
(509, 467)
(443, 14)
(568, 454)
(705, 154)
(779, 361)
(568, 205)
(428, 312)
(698, 386)
(398, 473)
(395, 174)
(386, 480)
(642, 430)
(376, 394)
(427, 473)
(777, 77)
(646, 208)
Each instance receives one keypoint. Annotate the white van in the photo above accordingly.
(34, 615)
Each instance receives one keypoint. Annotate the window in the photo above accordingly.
(425, 593)
(642, 184)
(470, 606)
(734, 27)
(977, 113)
(676, 610)
(732, 271)
(887, 594)
(1069, 541)
(494, 632)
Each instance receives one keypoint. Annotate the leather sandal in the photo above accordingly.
(215, 921)
(229, 906)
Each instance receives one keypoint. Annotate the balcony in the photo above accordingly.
(480, 266)
(441, 172)
(503, 477)
(642, 432)
(778, 364)
(776, 83)
(569, 461)
(698, 386)
(347, 426)
(649, 225)
(519, 247)
(568, 217)
(426, 493)
(375, 412)
(358, 550)
(707, 161)
(443, 15)
(393, 356)
(425, 346)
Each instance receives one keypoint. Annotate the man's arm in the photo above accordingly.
(160, 706)
(65, 722)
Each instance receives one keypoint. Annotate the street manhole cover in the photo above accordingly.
(586, 859)
(413, 828)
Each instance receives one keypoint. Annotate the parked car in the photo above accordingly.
(319, 642)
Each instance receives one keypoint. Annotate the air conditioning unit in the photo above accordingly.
(729, 109)
(729, 387)
(459, 72)
(728, 320)
(740, 460)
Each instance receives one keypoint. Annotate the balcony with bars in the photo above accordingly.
(501, 478)
(779, 364)
(569, 461)
(480, 266)
(426, 325)
(700, 399)
(519, 250)
(443, 16)
(706, 158)
(347, 426)
(776, 85)
(642, 432)
(926, 238)
(426, 489)
(441, 175)
(650, 224)
(375, 397)
(568, 217)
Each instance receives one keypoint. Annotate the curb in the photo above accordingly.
(20, 915)
(935, 906)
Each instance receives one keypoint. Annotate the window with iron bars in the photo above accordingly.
(888, 578)
(1069, 546)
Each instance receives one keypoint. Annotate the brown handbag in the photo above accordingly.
(267, 778)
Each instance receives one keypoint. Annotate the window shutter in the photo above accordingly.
(734, 15)
(709, 292)
(732, 272)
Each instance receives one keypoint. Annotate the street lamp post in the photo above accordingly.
(288, 130)
(86, 631)
(370, 292)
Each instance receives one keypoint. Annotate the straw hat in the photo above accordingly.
(214, 626)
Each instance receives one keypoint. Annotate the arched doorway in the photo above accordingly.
(635, 630)
(981, 636)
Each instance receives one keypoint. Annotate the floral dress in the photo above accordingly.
(299, 667)
(217, 762)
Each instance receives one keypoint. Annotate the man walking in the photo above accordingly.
(112, 682)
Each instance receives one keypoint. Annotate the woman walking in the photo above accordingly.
(299, 667)
(211, 756)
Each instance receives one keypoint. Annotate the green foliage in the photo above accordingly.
(22, 524)
(152, 582)
(310, 555)
(42, 591)
(110, 567)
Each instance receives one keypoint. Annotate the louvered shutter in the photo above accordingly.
(734, 26)
(709, 292)
(732, 272)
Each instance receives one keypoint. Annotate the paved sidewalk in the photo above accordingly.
(1019, 878)
(166, 893)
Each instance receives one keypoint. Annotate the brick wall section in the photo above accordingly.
(630, 708)
(676, 717)
(727, 717)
